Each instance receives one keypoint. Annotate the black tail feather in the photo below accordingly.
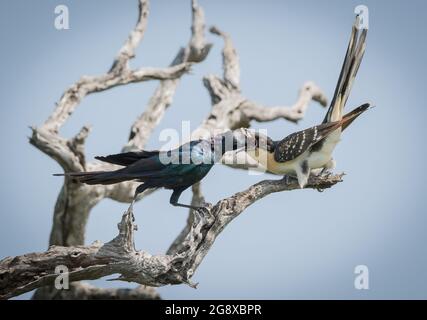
(97, 177)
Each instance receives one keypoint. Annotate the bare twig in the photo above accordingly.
(230, 60)
(309, 91)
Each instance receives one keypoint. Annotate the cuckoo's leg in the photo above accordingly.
(141, 188)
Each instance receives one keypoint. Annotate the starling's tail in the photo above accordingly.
(98, 177)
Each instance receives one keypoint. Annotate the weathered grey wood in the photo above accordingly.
(75, 201)
(85, 291)
(21, 274)
(230, 110)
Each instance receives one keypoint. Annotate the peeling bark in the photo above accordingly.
(24, 273)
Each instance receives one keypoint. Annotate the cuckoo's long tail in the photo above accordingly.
(352, 60)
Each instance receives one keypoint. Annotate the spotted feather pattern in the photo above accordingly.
(297, 143)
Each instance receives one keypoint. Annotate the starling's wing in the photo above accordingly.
(127, 158)
(193, 152)
(176, 162)
(297, 143)
(158, 169)
(180, 167)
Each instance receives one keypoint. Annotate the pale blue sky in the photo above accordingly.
(300, 244)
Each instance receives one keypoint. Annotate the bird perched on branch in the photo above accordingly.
(296, 155)
(176, 169)
(312, 148)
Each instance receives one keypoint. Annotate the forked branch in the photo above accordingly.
(230, 110)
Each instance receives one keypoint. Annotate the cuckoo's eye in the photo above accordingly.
(257, 140)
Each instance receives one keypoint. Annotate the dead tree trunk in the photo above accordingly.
(230, 110)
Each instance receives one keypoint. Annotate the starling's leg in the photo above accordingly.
(174, 200)
(141, 188)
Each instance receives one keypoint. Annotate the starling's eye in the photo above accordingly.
(223, 144)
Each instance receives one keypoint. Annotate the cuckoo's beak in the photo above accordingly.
(243, 140)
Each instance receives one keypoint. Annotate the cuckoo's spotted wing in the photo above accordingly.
(297, 143)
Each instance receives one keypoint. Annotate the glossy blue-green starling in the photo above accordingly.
(176, 169)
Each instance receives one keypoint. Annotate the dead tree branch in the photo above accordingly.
(85, 291)
(75, 201)
(230, 110)
(24, 273)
